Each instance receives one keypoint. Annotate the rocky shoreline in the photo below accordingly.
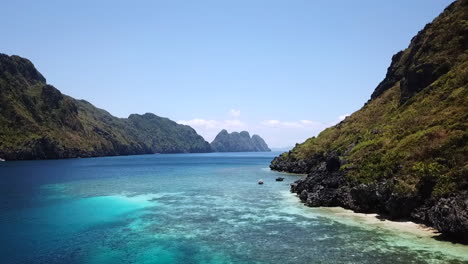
(403, 155)
(327, 185)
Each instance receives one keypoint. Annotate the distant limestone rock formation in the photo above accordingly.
(238, 142)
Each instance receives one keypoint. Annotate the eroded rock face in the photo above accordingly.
(290, 164)
(324, 186)
(299, 166)
(327, 186)
(450, 216)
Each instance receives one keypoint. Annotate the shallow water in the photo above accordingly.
(187, 208)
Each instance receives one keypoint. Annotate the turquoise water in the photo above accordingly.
(185, 208)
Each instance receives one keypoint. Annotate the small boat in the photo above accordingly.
(2, 159)
(260, 181)
(279, 179)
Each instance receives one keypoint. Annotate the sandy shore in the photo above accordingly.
(348, 217)
(396, 233)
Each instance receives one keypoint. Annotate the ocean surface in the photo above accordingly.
(188, 208)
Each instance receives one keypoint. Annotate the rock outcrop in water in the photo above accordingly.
(37, 121)
(404, 153)
(238, 142)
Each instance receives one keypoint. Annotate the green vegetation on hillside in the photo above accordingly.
(414, 130)
(38, 122)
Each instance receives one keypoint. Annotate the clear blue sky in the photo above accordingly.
(260, 65)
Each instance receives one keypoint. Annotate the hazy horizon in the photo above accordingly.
(280, 69)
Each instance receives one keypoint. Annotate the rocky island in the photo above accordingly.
(238, 142)
(37, 121)
(404, 153)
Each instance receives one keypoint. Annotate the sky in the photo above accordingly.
(282, 69)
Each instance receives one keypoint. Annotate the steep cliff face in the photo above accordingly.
(404, 153)
(238, 142)
(259, 144)
(37, 121)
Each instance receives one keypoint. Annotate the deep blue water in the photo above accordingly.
(186, 208)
